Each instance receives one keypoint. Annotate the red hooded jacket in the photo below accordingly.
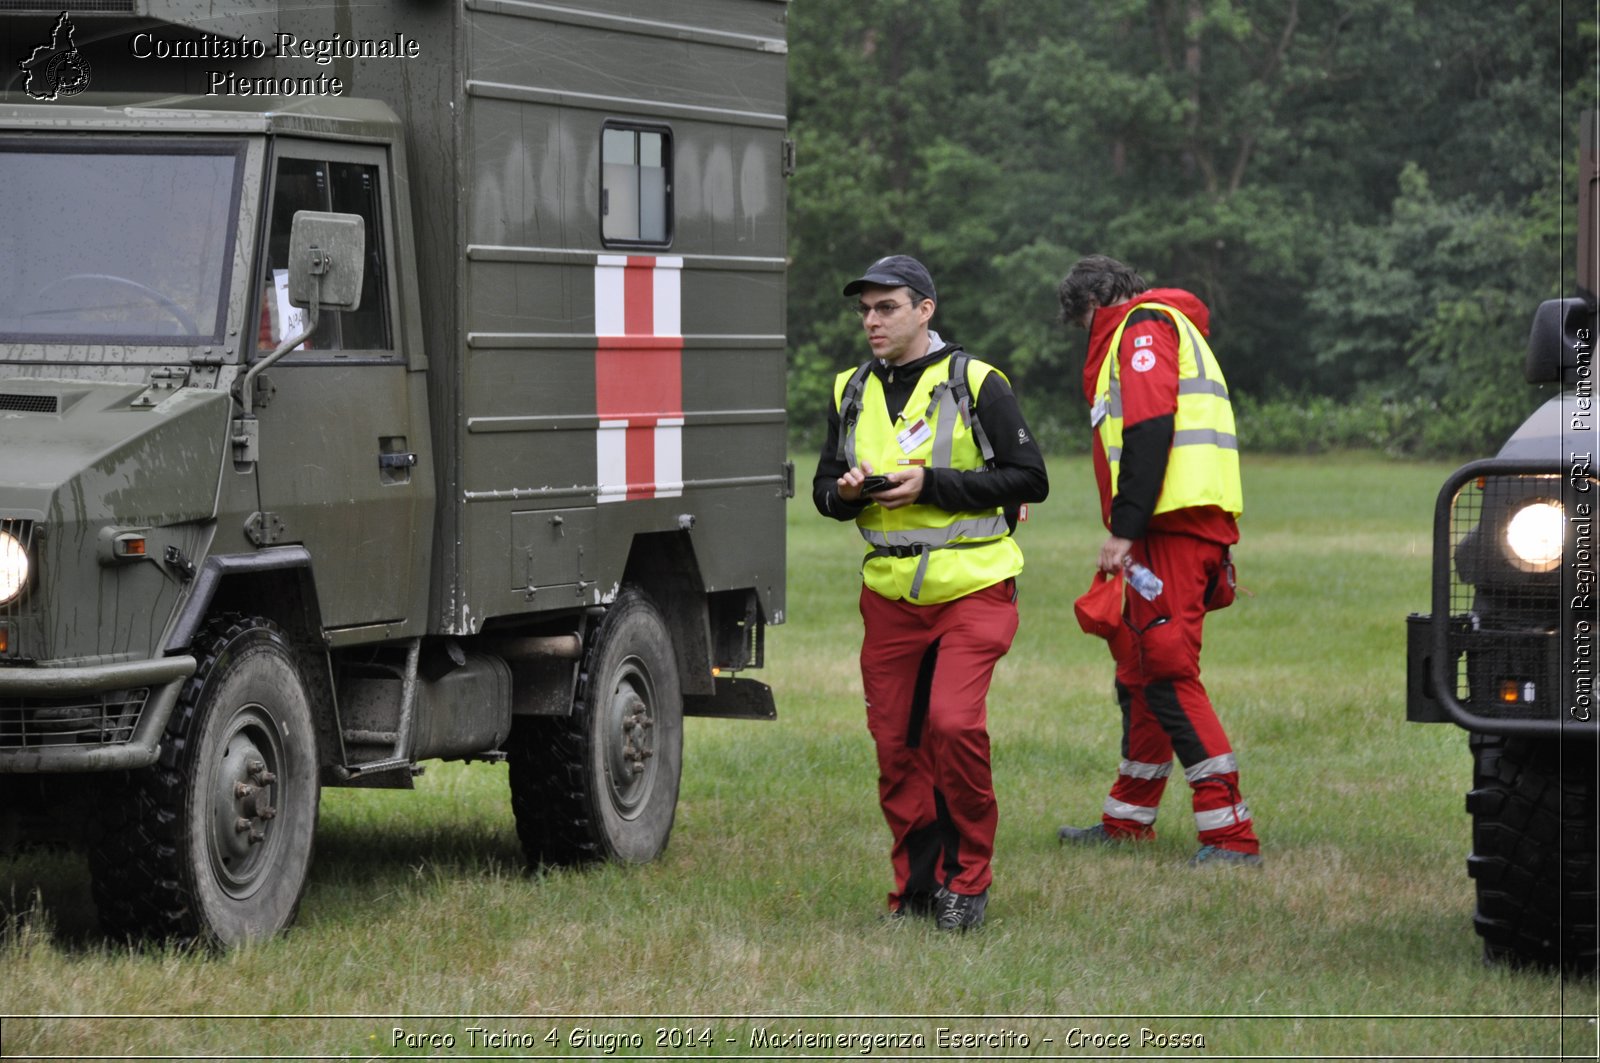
(1149, 404)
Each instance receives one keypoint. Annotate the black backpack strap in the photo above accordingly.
(961, 391)
(850, 412)
(967, 406)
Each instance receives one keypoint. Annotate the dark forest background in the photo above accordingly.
(1372, 195)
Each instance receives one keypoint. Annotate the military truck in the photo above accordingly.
(379, 384)
(1509, 650)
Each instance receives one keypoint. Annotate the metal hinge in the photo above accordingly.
(264, 529)
(246, 440)
(163, 379)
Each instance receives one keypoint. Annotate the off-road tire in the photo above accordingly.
(1533, 851)
(602, 784)
(212, 843)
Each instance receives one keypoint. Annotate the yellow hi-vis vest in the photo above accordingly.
(924, 554)
(1203, 467)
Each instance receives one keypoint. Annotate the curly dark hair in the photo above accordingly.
(1096, 281)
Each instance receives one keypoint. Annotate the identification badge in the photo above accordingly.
(1097, 413)
(914, 435)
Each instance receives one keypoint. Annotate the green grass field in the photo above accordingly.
(1353, 941)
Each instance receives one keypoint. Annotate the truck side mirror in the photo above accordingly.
(327, 254)
(326, 257)
(1563, 331)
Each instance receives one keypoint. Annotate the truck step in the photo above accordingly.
(378, 767)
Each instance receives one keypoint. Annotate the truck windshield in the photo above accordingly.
(104, 242)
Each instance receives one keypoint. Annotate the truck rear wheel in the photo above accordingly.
(602, 784)
(213, 842)
(1533, 851)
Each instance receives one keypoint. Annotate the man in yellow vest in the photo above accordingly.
(928, 453)
(1167, 463)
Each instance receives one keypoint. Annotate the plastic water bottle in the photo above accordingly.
(1142, 580)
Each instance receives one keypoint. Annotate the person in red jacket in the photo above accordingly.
(1166, 462)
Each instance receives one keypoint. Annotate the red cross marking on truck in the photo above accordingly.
(638, 380)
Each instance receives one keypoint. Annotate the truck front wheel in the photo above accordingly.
(602, 784)
(1533, 806)
(213, 842)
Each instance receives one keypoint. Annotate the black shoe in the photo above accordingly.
(916, 906)
(962, 911)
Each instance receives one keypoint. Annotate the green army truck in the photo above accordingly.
(379, 384)
(1509, 650)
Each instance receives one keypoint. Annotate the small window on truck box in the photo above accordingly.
(348, 188)
(635, 186)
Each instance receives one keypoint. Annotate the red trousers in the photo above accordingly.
(1165, 708)
(926, 670)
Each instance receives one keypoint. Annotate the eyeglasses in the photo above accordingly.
(884, 309)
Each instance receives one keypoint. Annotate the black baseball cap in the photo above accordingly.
(896, 271)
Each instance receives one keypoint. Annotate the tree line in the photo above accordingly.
(1372, 195)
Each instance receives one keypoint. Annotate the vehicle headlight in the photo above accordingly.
(1535, 535)
(13, 568)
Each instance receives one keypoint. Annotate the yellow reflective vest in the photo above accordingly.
(921, 553)
(1203, 467)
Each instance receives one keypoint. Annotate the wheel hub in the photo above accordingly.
(243, 808)
(633, 742)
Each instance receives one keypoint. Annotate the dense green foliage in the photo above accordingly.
(1372, 196)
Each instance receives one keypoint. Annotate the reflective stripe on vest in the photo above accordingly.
(1203, 465)
(918, 552)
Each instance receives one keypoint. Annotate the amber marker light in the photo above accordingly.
(130, 546)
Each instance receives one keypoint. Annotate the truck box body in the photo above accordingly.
(562, 392)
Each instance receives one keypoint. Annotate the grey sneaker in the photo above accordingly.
(962, 911)
(1214, 856)
(1095, 835)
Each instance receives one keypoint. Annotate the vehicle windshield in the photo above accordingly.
(106, 242)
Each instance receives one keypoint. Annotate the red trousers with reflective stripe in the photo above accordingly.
(925, 670)
(1165, 708)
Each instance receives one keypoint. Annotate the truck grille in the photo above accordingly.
(86, 719)
(29, 403)
(1505, 630)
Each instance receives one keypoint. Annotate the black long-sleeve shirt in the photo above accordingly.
(1016, 476)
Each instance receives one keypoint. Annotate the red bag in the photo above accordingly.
(1099, 610)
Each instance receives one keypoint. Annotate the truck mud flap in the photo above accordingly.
(733, 699)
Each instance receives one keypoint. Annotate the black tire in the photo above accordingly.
(1533, 804)
(213, 843)
(602, 784)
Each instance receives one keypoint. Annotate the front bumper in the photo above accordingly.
(107, 717)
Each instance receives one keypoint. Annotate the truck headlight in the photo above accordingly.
(1534, 536)
(13, 567)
